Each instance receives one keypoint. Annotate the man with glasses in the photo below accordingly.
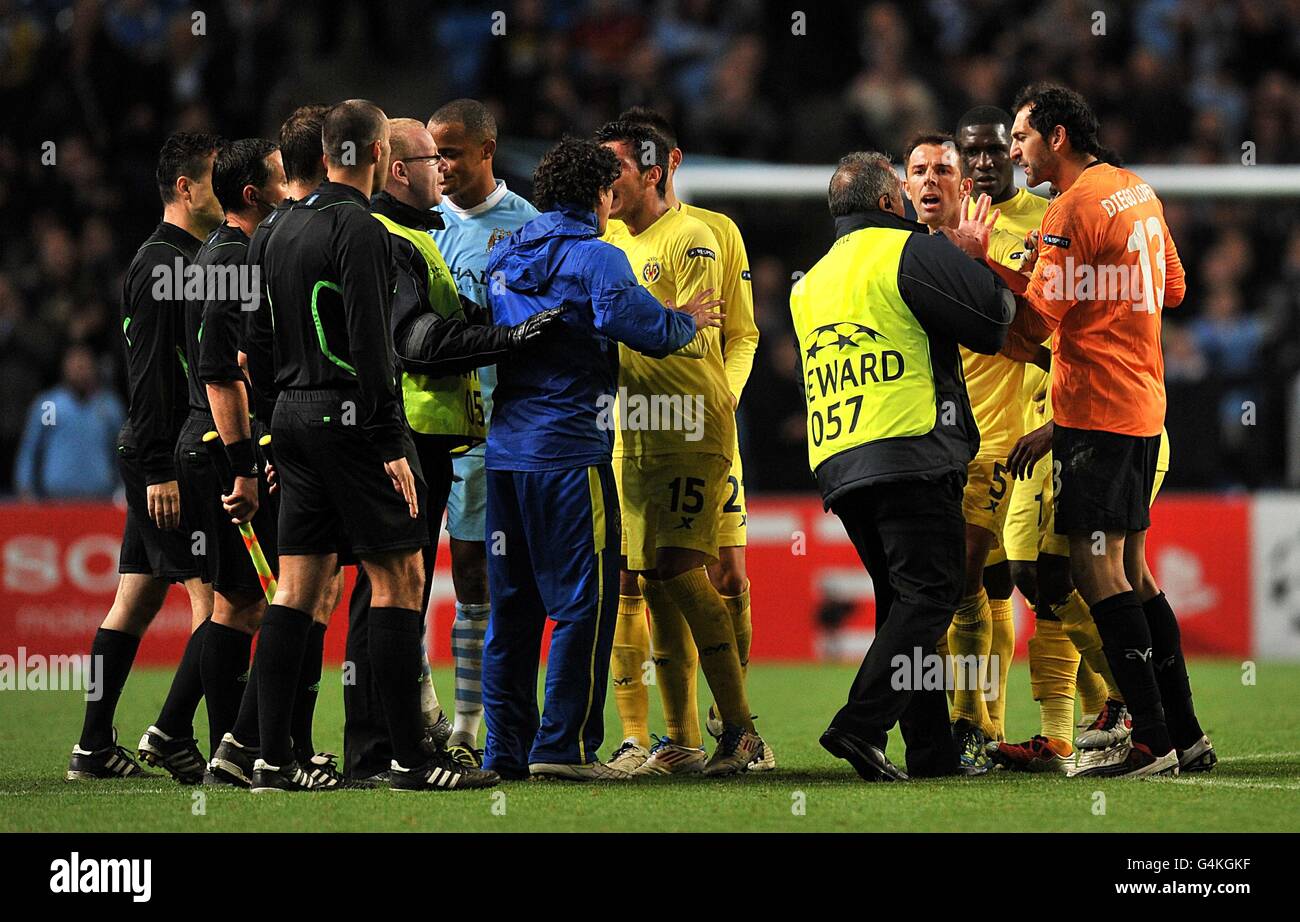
(440, 338)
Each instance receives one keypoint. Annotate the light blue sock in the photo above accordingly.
(467, 649)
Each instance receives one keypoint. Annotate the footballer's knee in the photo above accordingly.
(469, 575)
(1053, 578)
(241, 611)
(674, 561)
(997, 580)
(727, 573)
(1024, 576)
(396, 579)
(139, 599)
(627, 584)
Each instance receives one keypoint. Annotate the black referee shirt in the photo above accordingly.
(153, 327)
(212, 324)
(327, 266)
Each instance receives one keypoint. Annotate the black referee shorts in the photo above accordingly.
(146, 548)
(221, 556)
(334, 491)
(1105, 480)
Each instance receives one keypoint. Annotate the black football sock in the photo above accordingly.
(1126, 641)
(395, 659)
(279, 660)
(177, 716)
(304, 702)
(111, 656)
(1171, 672)
(224, 668)
(245, 729)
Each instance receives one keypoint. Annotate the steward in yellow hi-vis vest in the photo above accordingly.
(890, 432)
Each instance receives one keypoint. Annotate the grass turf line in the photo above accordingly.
(1256, 730)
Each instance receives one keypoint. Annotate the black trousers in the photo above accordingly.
(911, 537)
(366, 747)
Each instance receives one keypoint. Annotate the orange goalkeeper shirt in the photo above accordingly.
(1107, 267)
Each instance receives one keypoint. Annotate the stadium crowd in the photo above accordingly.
(90, 88)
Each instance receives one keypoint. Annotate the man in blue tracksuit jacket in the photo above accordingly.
(552, 510)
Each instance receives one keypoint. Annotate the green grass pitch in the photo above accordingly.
(1256, 787)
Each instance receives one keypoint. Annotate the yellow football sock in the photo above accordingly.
(969, 641)
(1002, 648)
(741, 625)
(941, 650)
(693, 595)
(1053, 662)
(1078, 623)
(676, 661)
(1092, 690)
(627, 668)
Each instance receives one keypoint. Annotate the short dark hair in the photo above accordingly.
(649, 148)
(1051, 104)
(938, 138)
(358, 122)
(859, 181)
(653, 118)
(575, 171)
(240, 163)
(985, 115)
(473, 115)
(184, 153)
(300, 144)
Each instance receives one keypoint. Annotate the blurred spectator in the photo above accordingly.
(68, 449)
(1230, 341)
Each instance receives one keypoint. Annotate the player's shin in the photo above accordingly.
(1053, 665)
(1126, 640)
(1002, 647)
(693, 595)
(970, 641)
(1171, 672)
(1079, 626)
(467, 635)
(675, 663)
(629, 669)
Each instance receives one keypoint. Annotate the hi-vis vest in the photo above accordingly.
(866, 358)
(452, 404)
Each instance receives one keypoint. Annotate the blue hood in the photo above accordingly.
(528, 259)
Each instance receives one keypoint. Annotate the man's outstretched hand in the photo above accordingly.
(702, 309)
(535, 326)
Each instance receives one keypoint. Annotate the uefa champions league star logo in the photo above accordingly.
(840, 334)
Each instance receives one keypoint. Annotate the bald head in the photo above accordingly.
(409, 138)
(864, 181)
(413, 171)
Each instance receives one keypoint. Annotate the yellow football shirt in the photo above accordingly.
(674, 259)
(996, 383)
(739, 329)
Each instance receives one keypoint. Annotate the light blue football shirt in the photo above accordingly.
(464, 244)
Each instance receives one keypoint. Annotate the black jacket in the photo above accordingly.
(435, 345)
(957, 300)
(153, 327)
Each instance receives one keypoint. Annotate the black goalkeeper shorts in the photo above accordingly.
(1105, 480)
(334, 492)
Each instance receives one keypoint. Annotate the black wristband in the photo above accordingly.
(242, 462)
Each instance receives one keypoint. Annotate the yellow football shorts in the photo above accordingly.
(988, 495)
(731, 531)
(670, 500)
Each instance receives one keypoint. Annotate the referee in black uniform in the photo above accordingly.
(155, 548)
(344, 458)
(249, 182)
(304, 168)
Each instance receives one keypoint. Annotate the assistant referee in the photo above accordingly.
(890, 433)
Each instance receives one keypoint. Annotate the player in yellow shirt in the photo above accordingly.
(672, 451)
(739, 342)
(934, 182)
